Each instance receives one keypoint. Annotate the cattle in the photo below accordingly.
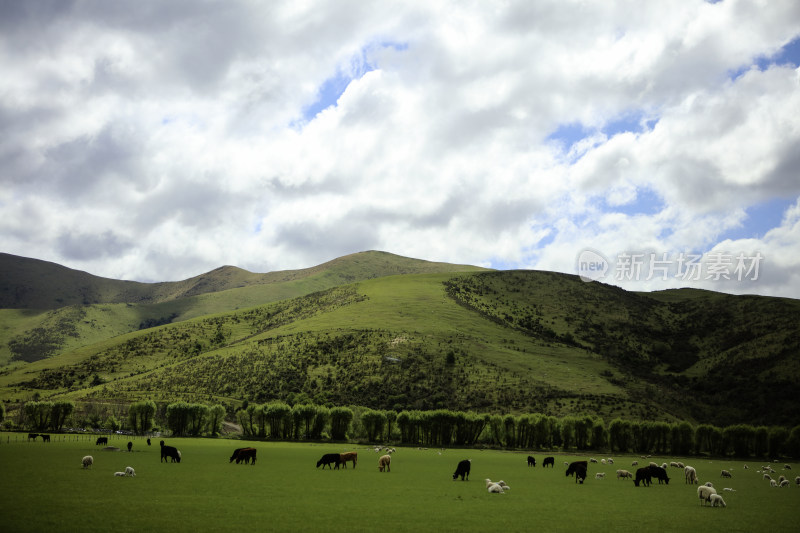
(642, 475)
(45, 438)
(32, 436)
(531, 461)
(384, 463)
(462, 470)
(148, 441)
(549, 461)
(578, 468)
(348, 456)
(171, 453)
(244, 455)
(234, 454)
(101, 440)
(130, 445)
(660, 473)
(328, 459)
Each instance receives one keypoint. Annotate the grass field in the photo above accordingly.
(46, 489)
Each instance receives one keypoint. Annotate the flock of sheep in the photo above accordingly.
(88, 461)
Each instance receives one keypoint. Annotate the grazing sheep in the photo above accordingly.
(119, 474)
(704, 493)
(797, 480)
(384, 463)
(602, 461)
(767, 476)
(652, 464)
(129, 471)
(600, 475)
(635, 463)
(87, 461)
(729, 489)
(746, 467)
(773, 483)
(681, 465)
(624, 474)
(725, 473)
(664, 466)
(674, 464)
(787, 467)
(717, 501)
(691, 475)
(610, 461)
(592, 460)
(781, 479)
(709, 484)
(785, 483)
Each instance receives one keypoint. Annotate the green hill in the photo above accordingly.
(512, 341)
(47, 309)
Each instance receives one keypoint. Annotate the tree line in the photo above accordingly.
(439, 428)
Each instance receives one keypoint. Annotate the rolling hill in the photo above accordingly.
(386, 332)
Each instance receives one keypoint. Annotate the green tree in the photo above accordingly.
(341, 418)
(275, 415)
(62, 410)
(197, 418)
(778, 436)
(682, 438)
(141, 416)
(373, 422)
(568, 432)
(38, 415)
(216, 415)
(599, 435)
(619, 435)
(761, 441)
(792, 445)
(740, 438)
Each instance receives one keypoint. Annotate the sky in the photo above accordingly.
(650, 145)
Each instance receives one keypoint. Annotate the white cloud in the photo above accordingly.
(163, 141)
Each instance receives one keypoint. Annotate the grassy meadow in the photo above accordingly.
(46, 489)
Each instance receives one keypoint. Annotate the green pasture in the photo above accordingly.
(46, 489)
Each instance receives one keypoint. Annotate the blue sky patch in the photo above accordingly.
(647, 202)
(760, 219)
(789, 54)
(333, 88)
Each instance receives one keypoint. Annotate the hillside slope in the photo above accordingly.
(56, 309)
(492, 342)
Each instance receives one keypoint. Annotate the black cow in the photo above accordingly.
(531, 461)
(245, 455)
(328, 459)
(148, 441)
(462, 470)
(170, 452)
(32, 436)
(549, 461)
(45, 438)
(642, 476)
(578, 468)
(659, 473)
(130, 445)
(101, 440)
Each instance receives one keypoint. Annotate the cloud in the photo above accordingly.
(162, 141)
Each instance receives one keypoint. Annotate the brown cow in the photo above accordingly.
(348, 456)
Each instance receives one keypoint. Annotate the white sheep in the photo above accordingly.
(717, 501)
(709, 484)
(600, 475)
(610, 461)
(673, 464)
(653, 464)
(729, 489)
(785, 483)
(768, 477)
(664, 466)
(773, 483)
(725, 473)
(704, 493)
(496, 488)
(592, 460)
(129, 471)
(746, 467)
(87, 461)
(781, 479)
(119, 474)
(602, 461)
(691, 474)
(797, 480)
(635, 463)
(624, 474)
(787, 467)
(681, 465)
